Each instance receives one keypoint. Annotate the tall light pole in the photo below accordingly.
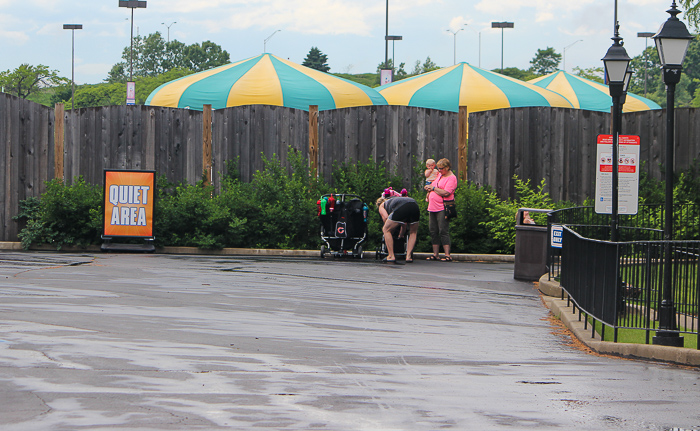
(646, 36)
(386, 38)
(393, 40)
(132, 4)
(454, 33)
(672, 42)
(569, 46)
(502, 25)
(616, 63)
(171, 24)
(268, 38)
(72, 28)
(479, 49)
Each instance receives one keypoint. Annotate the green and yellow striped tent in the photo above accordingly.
(586, 94)
(464, 85)
(263, 80)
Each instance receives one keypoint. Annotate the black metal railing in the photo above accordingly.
(619, 285)
(646, 225)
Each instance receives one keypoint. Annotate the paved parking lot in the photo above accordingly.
(138, 342)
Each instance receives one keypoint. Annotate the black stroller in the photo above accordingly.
(343, 224)
(399, 247)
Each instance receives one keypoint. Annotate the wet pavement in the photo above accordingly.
(141, 342)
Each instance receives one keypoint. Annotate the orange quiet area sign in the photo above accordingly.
(129, 203)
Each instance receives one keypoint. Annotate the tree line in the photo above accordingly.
(156, 62)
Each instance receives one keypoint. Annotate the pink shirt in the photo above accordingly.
(446, 183)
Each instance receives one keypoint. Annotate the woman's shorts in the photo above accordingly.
(408, 213)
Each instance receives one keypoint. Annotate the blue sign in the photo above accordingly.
(557, 236)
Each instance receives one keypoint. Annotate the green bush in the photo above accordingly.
(188, 216)
(277, 209)
(501, 214)
(65, 215)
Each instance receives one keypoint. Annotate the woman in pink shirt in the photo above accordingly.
(443, 188)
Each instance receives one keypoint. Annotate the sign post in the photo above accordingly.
(128, 211)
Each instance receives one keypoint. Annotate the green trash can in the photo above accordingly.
(530, 245)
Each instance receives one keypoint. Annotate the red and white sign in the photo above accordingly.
(628, 174)
(130, 93)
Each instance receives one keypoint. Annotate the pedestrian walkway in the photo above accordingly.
(564, 310)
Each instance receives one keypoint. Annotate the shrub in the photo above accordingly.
(188, 216)
(501, 219)
(277, 209)
(65, 215)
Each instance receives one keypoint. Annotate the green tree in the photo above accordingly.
(427, 66)
(114, 93)
(27, 79)
(686, 89)
(154, 56)
(692, 12)
(198, 57)
(592, 73)
(648, 60)
(514, 72)
(399, 73)
(368, 79)
(546, 61)
(315, 59)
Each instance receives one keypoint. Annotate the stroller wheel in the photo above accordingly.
(358, 252)
(323, 251)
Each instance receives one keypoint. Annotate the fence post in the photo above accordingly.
(151, 140)
(58, 141)
(463, 130)
(313, 140)
(206, 144)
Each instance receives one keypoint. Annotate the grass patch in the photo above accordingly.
(638, 336)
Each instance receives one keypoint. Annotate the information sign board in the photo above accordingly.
(628, 175)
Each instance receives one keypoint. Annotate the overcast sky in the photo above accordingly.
(350, 32)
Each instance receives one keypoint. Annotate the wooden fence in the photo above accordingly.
(559, 145)
(556, 144)
(171, 142)
(26, 156)
(389, 134)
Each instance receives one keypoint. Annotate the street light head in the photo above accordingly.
(616, 61)
(628, 78)
(132, 4)
(504, 24)
(672, 40)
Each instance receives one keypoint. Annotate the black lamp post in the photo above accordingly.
(672, 42)
(616, 63)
